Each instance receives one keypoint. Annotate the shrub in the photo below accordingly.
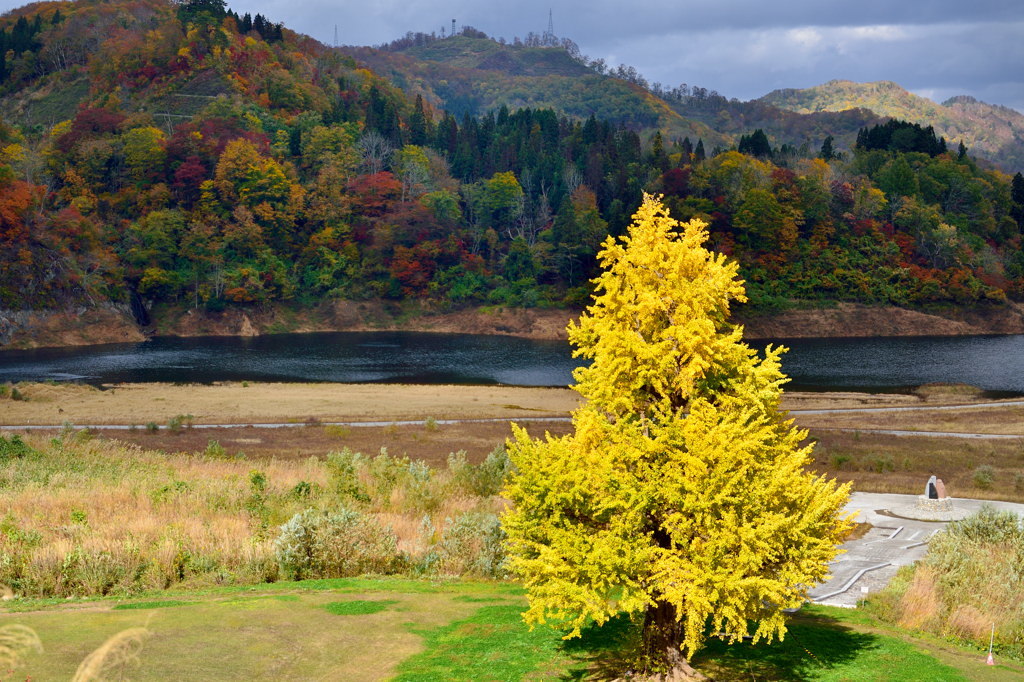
(484, 479)
(302, 490)
(989, 525)
(472, 545)
(969, 580)
(421, 493)
(318, 544)
(839, 460)
(176, 422)
(984, 476)
(386, 473)
(15, 448)
(882, 463)
(343, 470)
(215, 450)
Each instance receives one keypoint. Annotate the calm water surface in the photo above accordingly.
(994, 363)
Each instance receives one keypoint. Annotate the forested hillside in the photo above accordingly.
(182, 154)
(471, 73)
(992, 131)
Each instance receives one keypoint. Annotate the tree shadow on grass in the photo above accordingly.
(814, 644)
(602, 652)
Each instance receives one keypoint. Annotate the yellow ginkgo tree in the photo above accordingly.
(682, 498)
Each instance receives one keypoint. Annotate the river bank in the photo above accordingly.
(112, 324)
(315, 403)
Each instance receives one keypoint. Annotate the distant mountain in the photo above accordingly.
(802, 131)
(990, 131)
(473, 74)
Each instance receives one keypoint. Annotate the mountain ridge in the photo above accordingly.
(992, 131)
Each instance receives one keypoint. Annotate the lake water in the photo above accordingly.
(994, 363)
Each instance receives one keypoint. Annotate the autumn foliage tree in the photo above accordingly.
(682, 498)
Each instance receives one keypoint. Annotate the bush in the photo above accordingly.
(343, 469)
(984, 476)
(969, 580)
(421, 493)
(484, 479)
(473, 544)
(177, 422)
(15, 448)
(838, 461)
(214, 450)
(318, 544)
(988, 524)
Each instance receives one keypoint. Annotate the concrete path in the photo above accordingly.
(869, 563)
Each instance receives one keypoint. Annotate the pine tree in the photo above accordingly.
(418, 123)
(682, 496)
(687, 148)
(827, 152)
(1017, 196)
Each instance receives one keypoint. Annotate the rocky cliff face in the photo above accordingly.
(855, 320)
(75, 327)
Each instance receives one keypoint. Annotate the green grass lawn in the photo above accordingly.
(367, 629)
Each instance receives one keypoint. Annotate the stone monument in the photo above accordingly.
(934, 498)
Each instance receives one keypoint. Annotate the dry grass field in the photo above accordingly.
(234, 403)
(846, 447)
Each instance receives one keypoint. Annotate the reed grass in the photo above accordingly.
(86, 516)
(970, 581)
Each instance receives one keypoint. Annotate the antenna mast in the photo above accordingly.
(335, 35)
(453, 27)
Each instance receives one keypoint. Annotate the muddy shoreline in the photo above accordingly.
(113, 324)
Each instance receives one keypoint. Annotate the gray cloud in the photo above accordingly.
(937, 60)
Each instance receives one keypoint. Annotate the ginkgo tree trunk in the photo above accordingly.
(682, 498)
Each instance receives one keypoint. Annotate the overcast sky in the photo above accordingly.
(741, 48)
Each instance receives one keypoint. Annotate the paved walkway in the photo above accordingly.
(869, 563)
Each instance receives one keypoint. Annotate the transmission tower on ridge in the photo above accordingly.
(549, 35)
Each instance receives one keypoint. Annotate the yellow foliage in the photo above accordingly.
(12, 153)
(683, 484)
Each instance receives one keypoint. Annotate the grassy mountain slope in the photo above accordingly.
(991, 131)
(734, 118)
(473, 75)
